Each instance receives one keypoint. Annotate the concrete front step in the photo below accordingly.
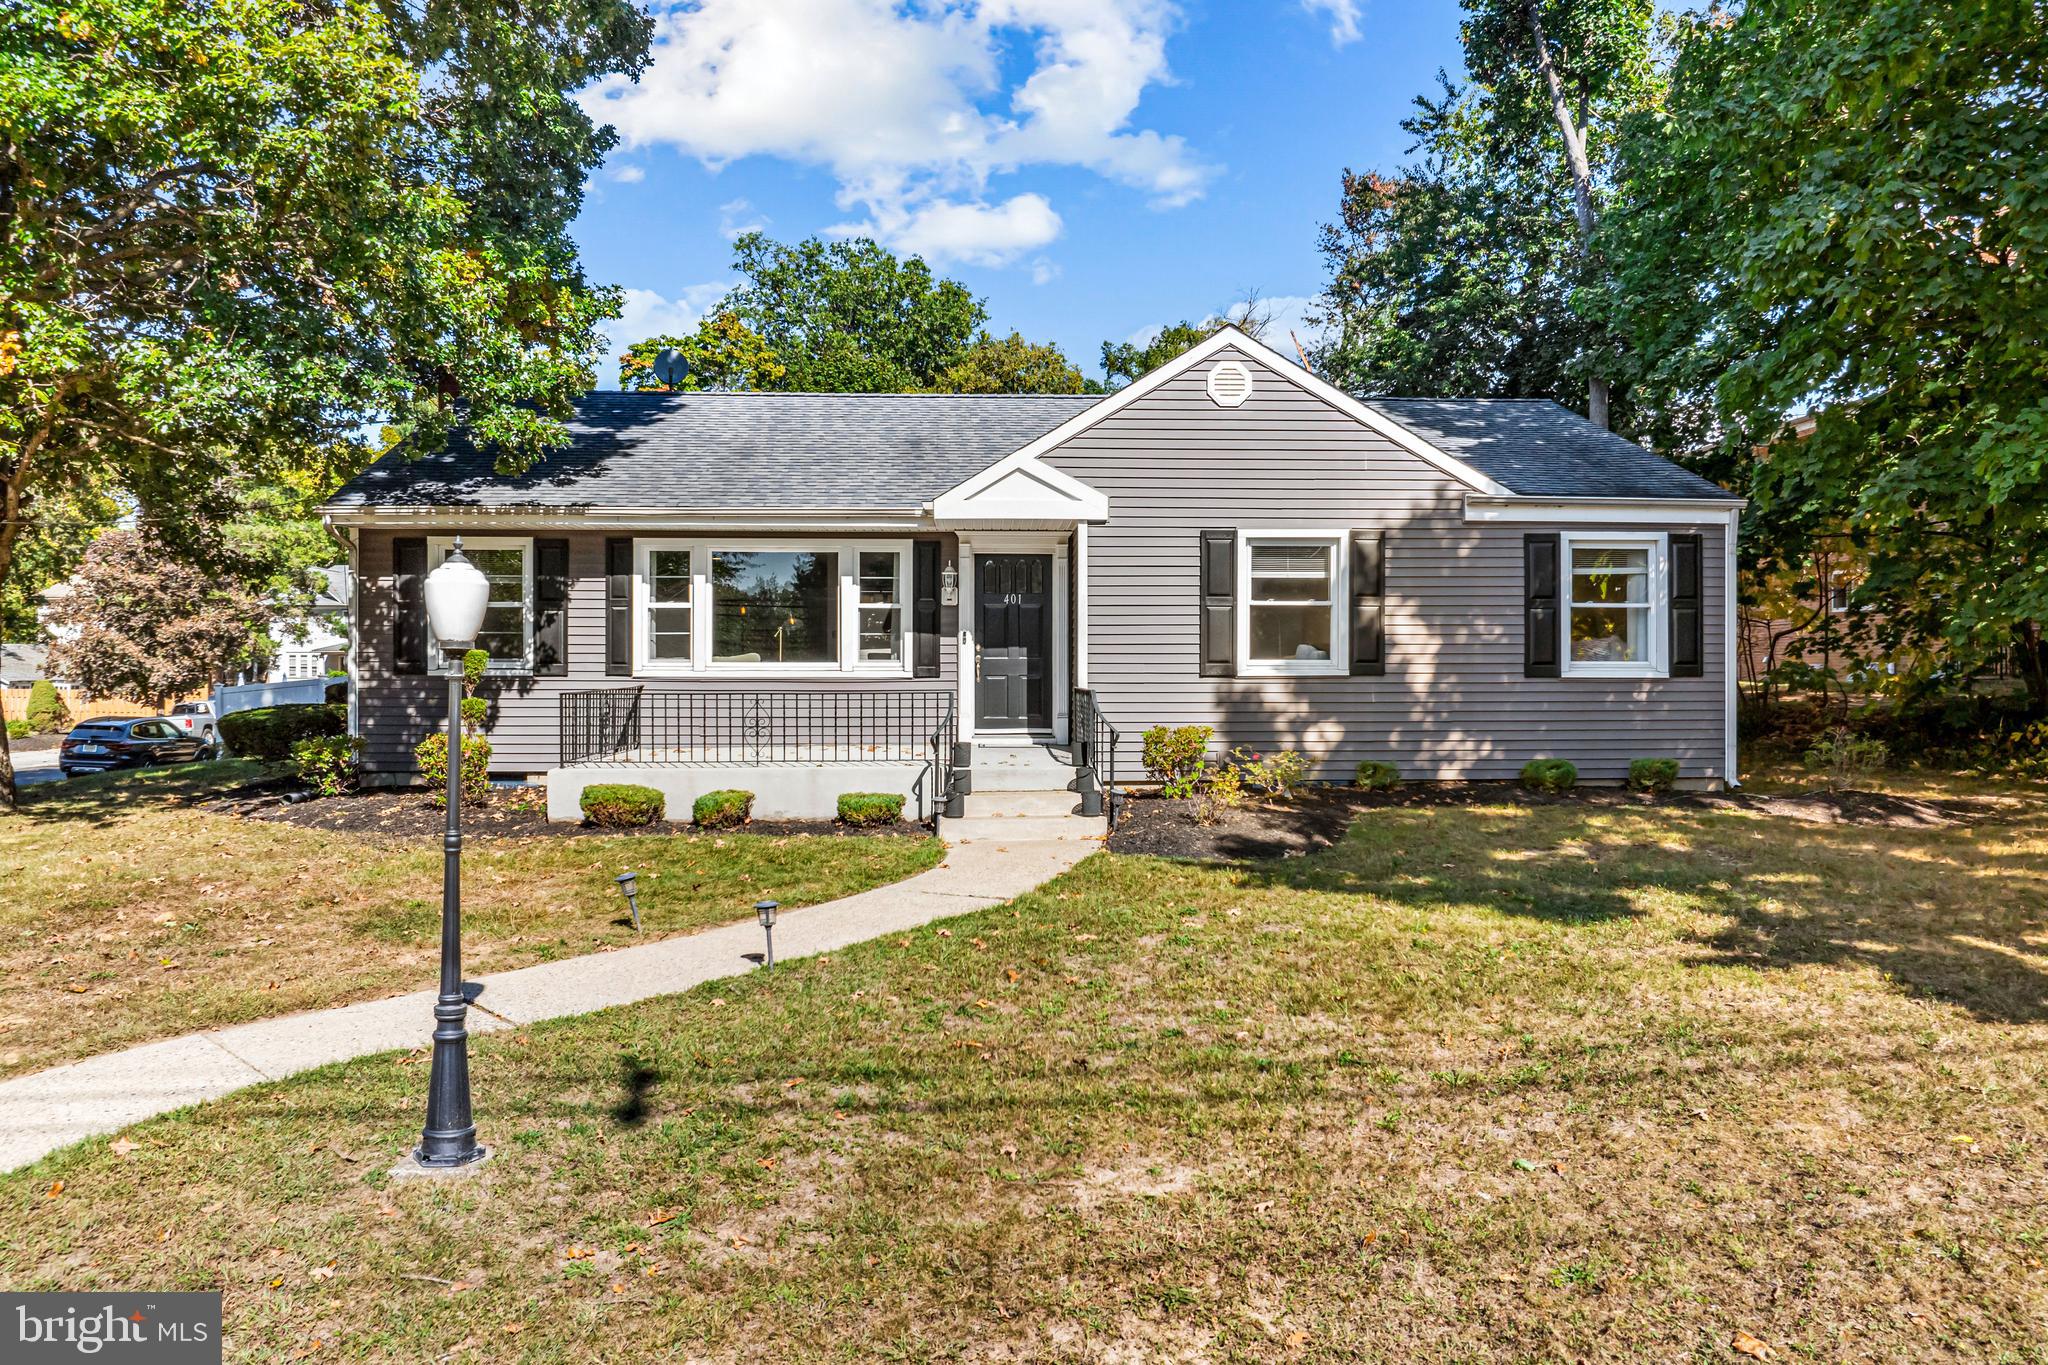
(1021, 767)
(1007, 829)
(1009, 805)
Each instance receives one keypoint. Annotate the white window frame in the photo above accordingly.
(1338, 665)
(437, 551)
(701, 663)
(1658, 664)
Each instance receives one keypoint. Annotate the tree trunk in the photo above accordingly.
(2030, 652)
(7, 795)
(1582, 180)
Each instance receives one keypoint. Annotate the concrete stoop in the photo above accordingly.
(1021, 767)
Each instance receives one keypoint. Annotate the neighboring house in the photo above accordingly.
(807, 593)
(317, 646)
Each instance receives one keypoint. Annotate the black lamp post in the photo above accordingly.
(766, 911)
(457, 593)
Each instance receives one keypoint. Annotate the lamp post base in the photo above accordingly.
(412, 1168)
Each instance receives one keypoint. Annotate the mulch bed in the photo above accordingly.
(514, 813)
(1154, 826)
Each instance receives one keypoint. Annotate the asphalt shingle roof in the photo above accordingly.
(1539, 449)
(895, 452)
(20, 663)
(723, 451)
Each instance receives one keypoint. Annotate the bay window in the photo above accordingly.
(1614, 605)
(734, 606)
(1292, 585)
(507, 632)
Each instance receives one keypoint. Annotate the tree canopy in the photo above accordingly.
(1010, 365)
(232, 234)
(723, 353)
(1844, 209)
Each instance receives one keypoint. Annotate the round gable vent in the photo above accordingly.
(1229, 384)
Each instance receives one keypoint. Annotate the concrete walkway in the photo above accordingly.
(984, 865)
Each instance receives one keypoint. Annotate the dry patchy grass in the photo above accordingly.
(130, 914)
(1501, 1082)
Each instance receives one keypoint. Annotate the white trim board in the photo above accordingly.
(1052, 543)
(1603, 511)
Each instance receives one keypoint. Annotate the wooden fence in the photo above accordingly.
(14, 704)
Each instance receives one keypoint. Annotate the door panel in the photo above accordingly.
(1014, 637)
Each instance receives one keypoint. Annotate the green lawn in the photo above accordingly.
(1489, 1083)
(131, 914)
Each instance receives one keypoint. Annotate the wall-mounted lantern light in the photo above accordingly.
(949, 586)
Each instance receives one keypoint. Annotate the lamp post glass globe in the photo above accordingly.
(457, 594)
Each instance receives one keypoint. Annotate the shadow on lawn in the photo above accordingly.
(1939, 911)
(637, 1079)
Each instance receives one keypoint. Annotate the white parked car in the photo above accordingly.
(196, 719)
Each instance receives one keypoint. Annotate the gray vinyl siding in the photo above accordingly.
(395, 712)
(1453, 703)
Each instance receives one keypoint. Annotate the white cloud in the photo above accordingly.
(908, 106)
(1344, 18)
(1044, 271)
(737, 216)
(1287, 318)
(978, 233)
(629, 175)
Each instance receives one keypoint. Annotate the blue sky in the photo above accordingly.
(1093, 168)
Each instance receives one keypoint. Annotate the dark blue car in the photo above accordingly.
(94, 746)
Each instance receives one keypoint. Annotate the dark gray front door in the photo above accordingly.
(1013, 632)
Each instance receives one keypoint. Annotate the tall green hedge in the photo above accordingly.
(269, 732)
(46, 711)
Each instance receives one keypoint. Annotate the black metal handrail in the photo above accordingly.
(647, 726)
(1095, 741)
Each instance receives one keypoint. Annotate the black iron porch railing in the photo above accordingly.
(638, 725)
(1095, 742)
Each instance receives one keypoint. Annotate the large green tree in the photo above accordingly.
(1010, 365)
(1844, 208)
(723, 353)
(1476, 268)
(851, 316)
(232, 233)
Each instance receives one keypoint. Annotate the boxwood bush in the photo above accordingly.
(269, 732)
(622, 805)
(1376, 776)
(871, 808)
(1652, 774)
(723, 809)
(1549, 775)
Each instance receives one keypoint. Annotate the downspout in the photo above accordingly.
(1731, 631)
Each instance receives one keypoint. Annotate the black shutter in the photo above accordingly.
(1688, 608)
(1368, 604)
(409, 616)
(550, 608)
(924, 614)
(618, 607)
(1540, 606)
(1219, 603)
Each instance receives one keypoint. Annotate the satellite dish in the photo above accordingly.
(671, 367)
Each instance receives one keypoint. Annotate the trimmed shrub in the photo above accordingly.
(46, 711)
(1276, 774)
(723, 809)
(1652, 774)
(431, 754)
(475, 711)
(871, 808)
(269, 732)
(1549, 775)
(329, 765)
(1225, 791)
(622, 805)
(1174, 757)
(18, 729)
(1376, 776)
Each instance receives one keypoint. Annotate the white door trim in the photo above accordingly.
(1052, 543)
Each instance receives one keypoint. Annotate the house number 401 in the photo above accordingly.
(1013, 599)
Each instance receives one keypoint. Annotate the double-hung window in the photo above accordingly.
(507, 633)
(1615, 605)
(1292, 585)
(767, 607)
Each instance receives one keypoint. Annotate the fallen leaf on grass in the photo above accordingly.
(122, 1147)
(945, 933)
(1297, 1340)
(324, 1272)
(514, 1328)
(1751, 1346)
(618, 1286)
(658, 1217)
